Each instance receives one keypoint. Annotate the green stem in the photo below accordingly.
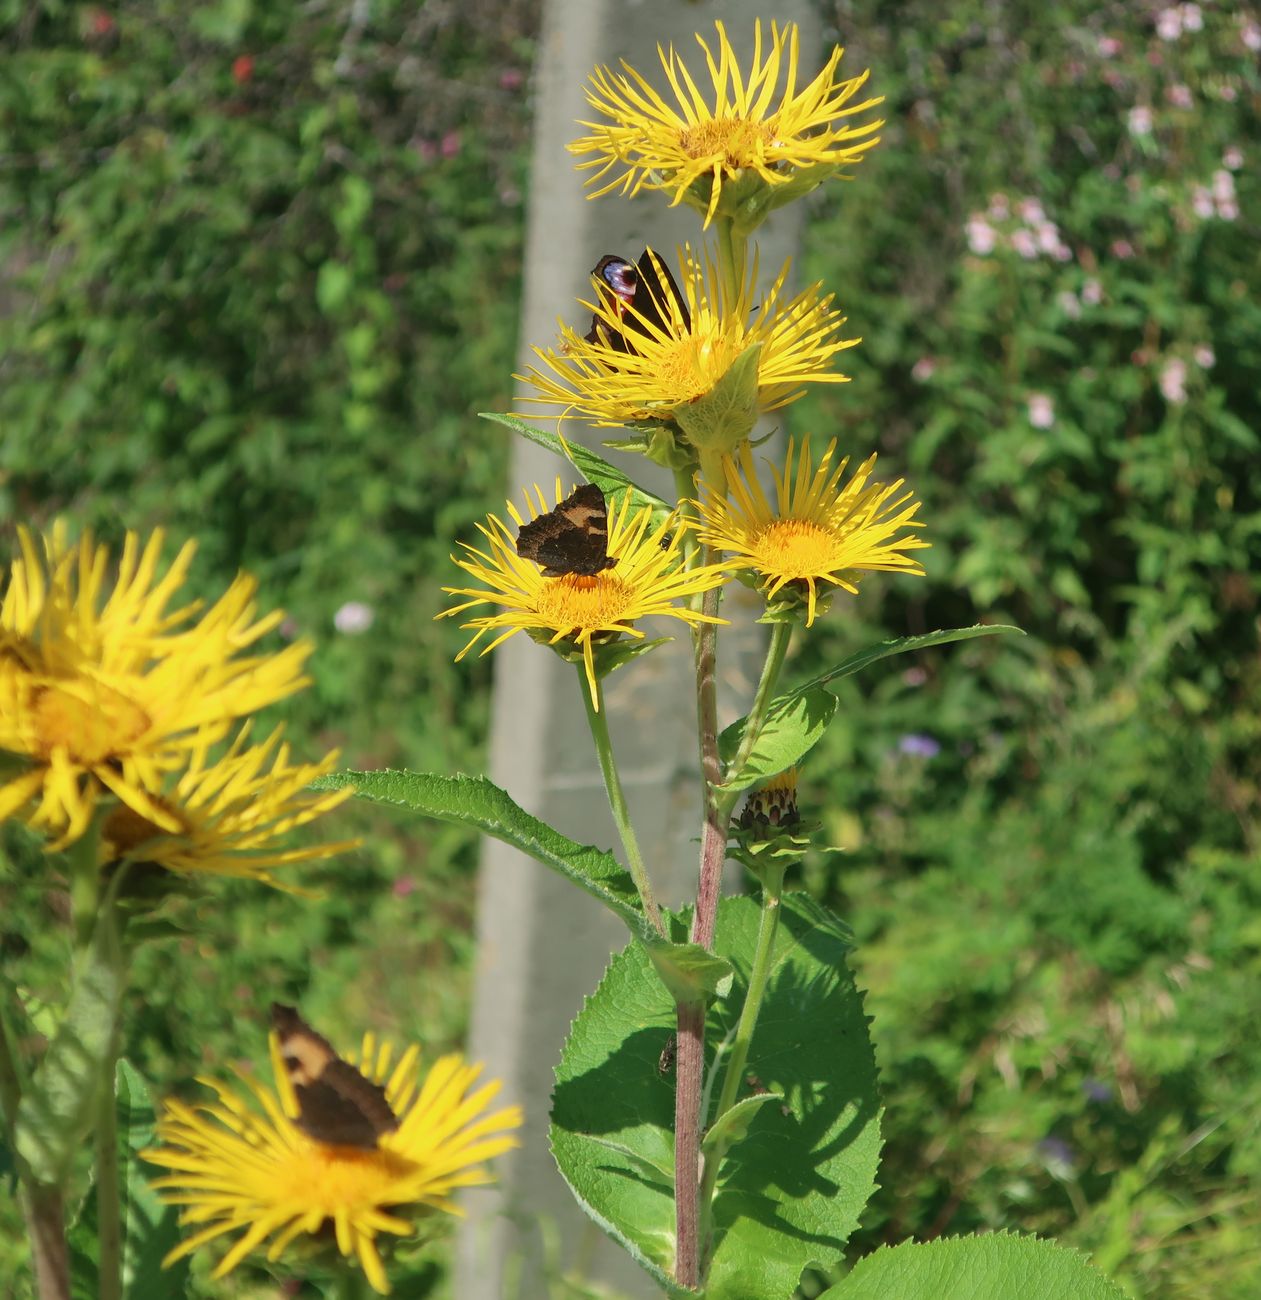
(772, 891)
(597, 720)
(733, 255)
(108, 1209)
(781, 634)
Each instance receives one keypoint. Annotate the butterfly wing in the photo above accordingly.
(336, 1103)
(572, 538)
(639, 295)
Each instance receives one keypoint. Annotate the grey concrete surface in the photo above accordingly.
(542, 946)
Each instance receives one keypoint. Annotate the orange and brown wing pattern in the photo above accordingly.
(336, 1103)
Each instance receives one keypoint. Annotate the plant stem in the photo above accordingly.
(597, 720)
(714, 830)
(108, 1211)
(46, 1227)
(689, 1064)
(772, 891)
(781, 634)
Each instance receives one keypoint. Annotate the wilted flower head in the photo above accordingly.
(755, 142)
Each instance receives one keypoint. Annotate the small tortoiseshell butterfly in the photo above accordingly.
(573, 538)
(643, 287)
(336, 1104)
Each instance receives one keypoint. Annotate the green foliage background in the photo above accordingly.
(258, 269)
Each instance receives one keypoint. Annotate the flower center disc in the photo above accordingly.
(796, 548)
(91, 726)
(733, 137)
(584, 603)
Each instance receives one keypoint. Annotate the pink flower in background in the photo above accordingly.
(1233, 158)
(1062, 252)
(1202, 203)
(1251, 35)
(1223, 185)
(1069, 304)
(1228, 93)
(1179, 96)
(511, 79)
(354, 618)
(1204, 356)
(1030, 211)
(1109, 47)
(981, 236)
(450, 145)
(1024, 243)
(1192, 18)
(1169, 24)
(1048, 236)
(1173, 381)
(1041, 410)
(403, 886)
(1092, 293)
(1121, 249)
(924, 369)
(1139, 120)
(999, 208)
(1228, 211)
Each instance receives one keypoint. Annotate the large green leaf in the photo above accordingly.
(794, 724)
(791, 1191)
(475, 801)
(55, 1115)
(150, 1228)
(900, 645)
(612, 481)
(997, 1266)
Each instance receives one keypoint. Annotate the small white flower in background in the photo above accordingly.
(1173, 380)
(1204, 356)
(1041, 411)
(1092, 293)
(1179, 96)
(1233, 158)
(354, 617)
(1139, 120)
(1024, 243)
(1192, 18)
(924, 369)
(981, 236)
(1069, 304)
(1202, 203)
(1169, 24)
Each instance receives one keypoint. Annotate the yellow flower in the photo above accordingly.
(673, 367)
(246, 1167)
(573, 609)
(222, 815)
(106, 690)
(818, 532)
(755, 137)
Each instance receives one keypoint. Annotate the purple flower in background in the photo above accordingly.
(1096, 1090)
(919, 745)
(354, 617)
(1059, 1156)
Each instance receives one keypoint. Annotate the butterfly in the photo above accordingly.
(642, 287)
(336, 1104)
(572, 538)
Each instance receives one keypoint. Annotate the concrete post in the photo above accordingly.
(542, 946)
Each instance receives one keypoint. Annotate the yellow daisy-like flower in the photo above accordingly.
(581, 611)
(105, 689)
(678, 363)
(230, 811)
(818, 531)
(242, 1165)
(753, 137)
